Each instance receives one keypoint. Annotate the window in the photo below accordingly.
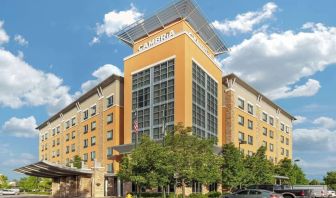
(46, 146)
(264, 116)
(73, 121)
(287, 129)
(86, 143)
(241, 103)
(282, 127)
(241, 136)
(67, 124)
(42, 138)
(110, 168)
(271, 134)
(271, 147)
(271, 120)
(93, 155)
(109, 152)
(109, 135)
(282, 139)
(204, 103)
(86, 114)
(109, 101)
(250, 124)
(57, 153)
(264, 131)
(85, 157)
(58, 141)
(73, 135)
(54, 131)
(250, 109)
(67, 149)
(282, 151)
(250, 140)
(93, 110)
(93, 140)
(67, 137)
(58, 129)
(264, 144)
(287, 153)
(241, 120)
(73, 147)
(53, 143)
(93, 125)
(287, 141)
(109, 118)
(85, 128)
(46, 136)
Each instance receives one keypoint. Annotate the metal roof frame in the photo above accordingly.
(51, 170)
(181, 10)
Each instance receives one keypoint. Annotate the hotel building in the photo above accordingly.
(171, 77)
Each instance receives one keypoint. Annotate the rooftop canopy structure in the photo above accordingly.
(51, 170)
(182, 10)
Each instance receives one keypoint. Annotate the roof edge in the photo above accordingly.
(255, 91)
(84, 96)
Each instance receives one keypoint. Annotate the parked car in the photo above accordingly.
(253, 193)
(8, 192)
(16, 190)
(331, 193)
(1, 192)
(320, 191)
(285, 190)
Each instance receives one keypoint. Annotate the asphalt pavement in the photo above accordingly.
(24, 196)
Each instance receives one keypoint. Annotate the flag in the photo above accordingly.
(135, 124)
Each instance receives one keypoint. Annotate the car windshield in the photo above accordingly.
(254, 192)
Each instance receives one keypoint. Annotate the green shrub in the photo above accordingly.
(151, 194)
(214, 194)
(197, 195)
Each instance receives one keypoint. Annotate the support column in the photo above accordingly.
(98, 182)
(119, 193)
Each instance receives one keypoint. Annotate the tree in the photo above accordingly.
(4, 181)
(260, 170)
(314, 182)
(148, 165)
(330, 179)
(300, 177)
(233, 169)
(193, 158)
(29, 183)
(292, 171)
(77, 162)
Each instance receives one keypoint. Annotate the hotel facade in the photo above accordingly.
(171, 77)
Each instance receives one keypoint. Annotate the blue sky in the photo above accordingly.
(51, 52)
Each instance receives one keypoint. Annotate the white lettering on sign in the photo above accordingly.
(199, 43)
(157, 40)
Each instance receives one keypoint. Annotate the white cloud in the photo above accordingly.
(325, 122)
(309, 89)
(94, 40)
(300, 119)
(23, 85)
(4, 38)
(20, 127)
(20, 40)
(19, 160)
(275, 62)
(116, 20)
(101, 74)
(247, 21)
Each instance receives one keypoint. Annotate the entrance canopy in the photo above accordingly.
(51, 170)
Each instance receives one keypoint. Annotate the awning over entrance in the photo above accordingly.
(51, 170)
(124, 148)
